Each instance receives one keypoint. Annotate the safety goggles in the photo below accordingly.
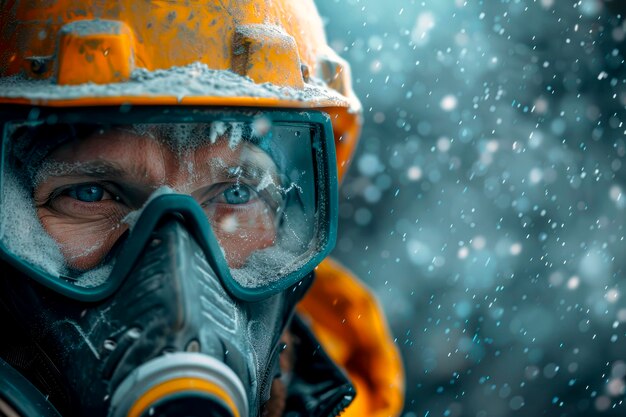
(81, 191)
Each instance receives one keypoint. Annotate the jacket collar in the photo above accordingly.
(318, 387)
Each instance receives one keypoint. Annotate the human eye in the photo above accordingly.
(89, 193)
(235, 194)
(83, 199)
(247, 199)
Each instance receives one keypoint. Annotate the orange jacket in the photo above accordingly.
(346, 318)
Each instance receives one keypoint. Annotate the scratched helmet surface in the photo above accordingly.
(227, 53)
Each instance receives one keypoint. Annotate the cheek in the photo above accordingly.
(84, 244)
(238, 250)
(240, 235)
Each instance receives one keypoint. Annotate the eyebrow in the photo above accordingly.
(97, 169)
(250, 168)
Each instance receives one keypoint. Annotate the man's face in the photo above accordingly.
(84, 190)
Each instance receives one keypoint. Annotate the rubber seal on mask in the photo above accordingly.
(170, 379)
(19, 396)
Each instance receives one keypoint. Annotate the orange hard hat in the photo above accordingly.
(251, 53)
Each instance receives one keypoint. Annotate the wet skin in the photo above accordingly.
(86, 188)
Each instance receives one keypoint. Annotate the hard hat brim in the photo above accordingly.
(190, 85)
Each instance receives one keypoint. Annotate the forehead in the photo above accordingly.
(157, 154)
(145, 142)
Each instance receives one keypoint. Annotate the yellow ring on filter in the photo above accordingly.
(179, 385)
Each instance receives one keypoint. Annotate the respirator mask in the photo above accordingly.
(158, 253)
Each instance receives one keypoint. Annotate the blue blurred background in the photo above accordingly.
(485, 205)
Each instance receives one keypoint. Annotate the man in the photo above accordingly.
(167, 191)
